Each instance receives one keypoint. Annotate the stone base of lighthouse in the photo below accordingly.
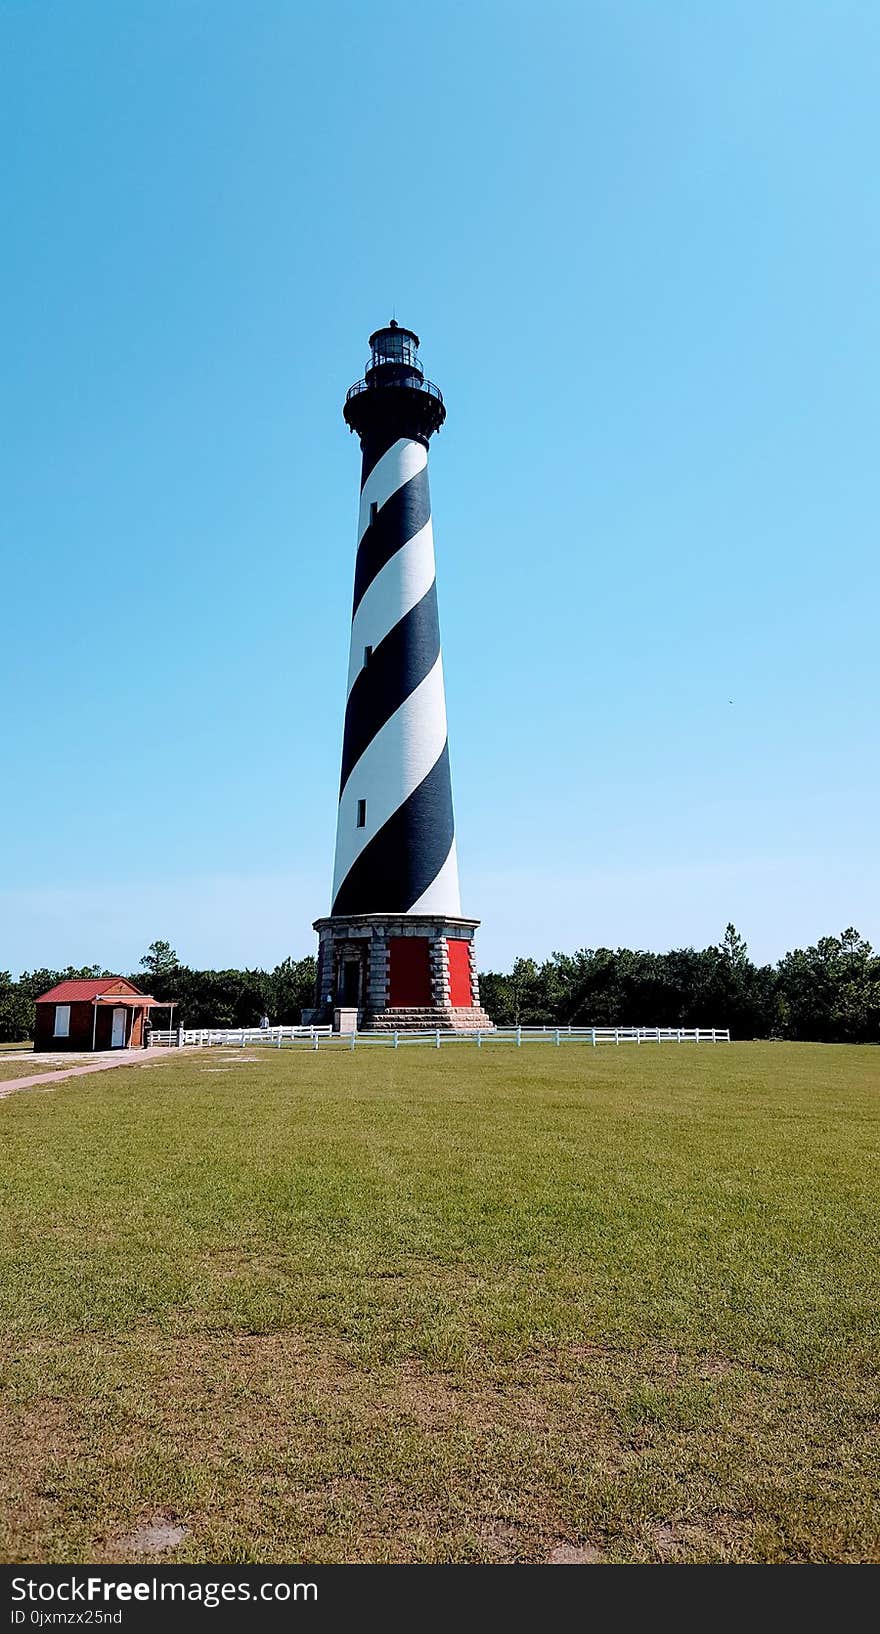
(399, 972)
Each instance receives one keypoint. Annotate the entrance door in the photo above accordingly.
(351, 983)
(117, 1037)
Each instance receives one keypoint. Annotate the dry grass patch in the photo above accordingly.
(278, 1447)
(26, 1067)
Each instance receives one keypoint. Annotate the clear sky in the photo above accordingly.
(640, 244)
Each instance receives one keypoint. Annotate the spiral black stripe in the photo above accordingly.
(377, 445)
(399, 520)
(396, 667)
(399, 863)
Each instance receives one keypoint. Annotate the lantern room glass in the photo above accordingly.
(395, 346)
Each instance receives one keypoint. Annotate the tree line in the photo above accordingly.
(204, 998)
(829, 993)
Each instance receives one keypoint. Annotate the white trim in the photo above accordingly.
(62, 1012)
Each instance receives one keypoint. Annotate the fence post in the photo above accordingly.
(315, 1037)
(396, 1040)
(617, 1035)
(593, 1031)
(518, 1036)
(679, 1035)
(280, 1036)
(557, 1035)
(353, 1037)
(479, 1040)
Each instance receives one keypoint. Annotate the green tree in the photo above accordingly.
(159, 960)
(830, 992)
(290, 989)
(495, 997)
(523, 990)
(16, 1011)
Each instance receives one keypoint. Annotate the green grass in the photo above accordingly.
(23, 1066)
(427, 1305)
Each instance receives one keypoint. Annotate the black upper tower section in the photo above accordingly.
(394, 399)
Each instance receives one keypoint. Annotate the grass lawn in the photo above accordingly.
(425, 1305)
(24, 1066)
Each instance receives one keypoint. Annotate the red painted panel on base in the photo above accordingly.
(410, 970)
(459, 973)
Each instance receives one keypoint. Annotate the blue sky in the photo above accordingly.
(640, 244)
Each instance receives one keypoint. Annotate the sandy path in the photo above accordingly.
(47, 1080)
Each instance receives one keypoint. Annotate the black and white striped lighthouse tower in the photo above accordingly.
(395, 948)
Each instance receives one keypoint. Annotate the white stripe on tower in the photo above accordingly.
(442, 889)
(403, 460)
(396, 589)
(396, 762)
(395, 846)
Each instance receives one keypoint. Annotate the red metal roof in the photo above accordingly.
(80, 991)
(135, 1001)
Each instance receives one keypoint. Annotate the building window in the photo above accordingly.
(368, 653)
(374, 511)
(362, 814)
(62, 1021)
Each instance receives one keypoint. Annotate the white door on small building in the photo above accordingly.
(117, 1037)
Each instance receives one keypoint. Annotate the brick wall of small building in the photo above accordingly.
(82, 1019)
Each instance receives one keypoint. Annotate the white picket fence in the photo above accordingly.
(314, 1037)
(276, 1036)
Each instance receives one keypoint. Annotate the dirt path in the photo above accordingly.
(47, 1080)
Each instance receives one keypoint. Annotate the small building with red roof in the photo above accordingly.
(107, 1014)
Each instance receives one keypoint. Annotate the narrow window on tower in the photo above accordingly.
(374, 511)
(368, 653)
(362, 814)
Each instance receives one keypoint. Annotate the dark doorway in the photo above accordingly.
(351, 983)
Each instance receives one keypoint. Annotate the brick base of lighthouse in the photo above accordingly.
(400, 972)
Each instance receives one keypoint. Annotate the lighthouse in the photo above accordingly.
(395, 952)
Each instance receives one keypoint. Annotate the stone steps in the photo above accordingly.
(403, 1019)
